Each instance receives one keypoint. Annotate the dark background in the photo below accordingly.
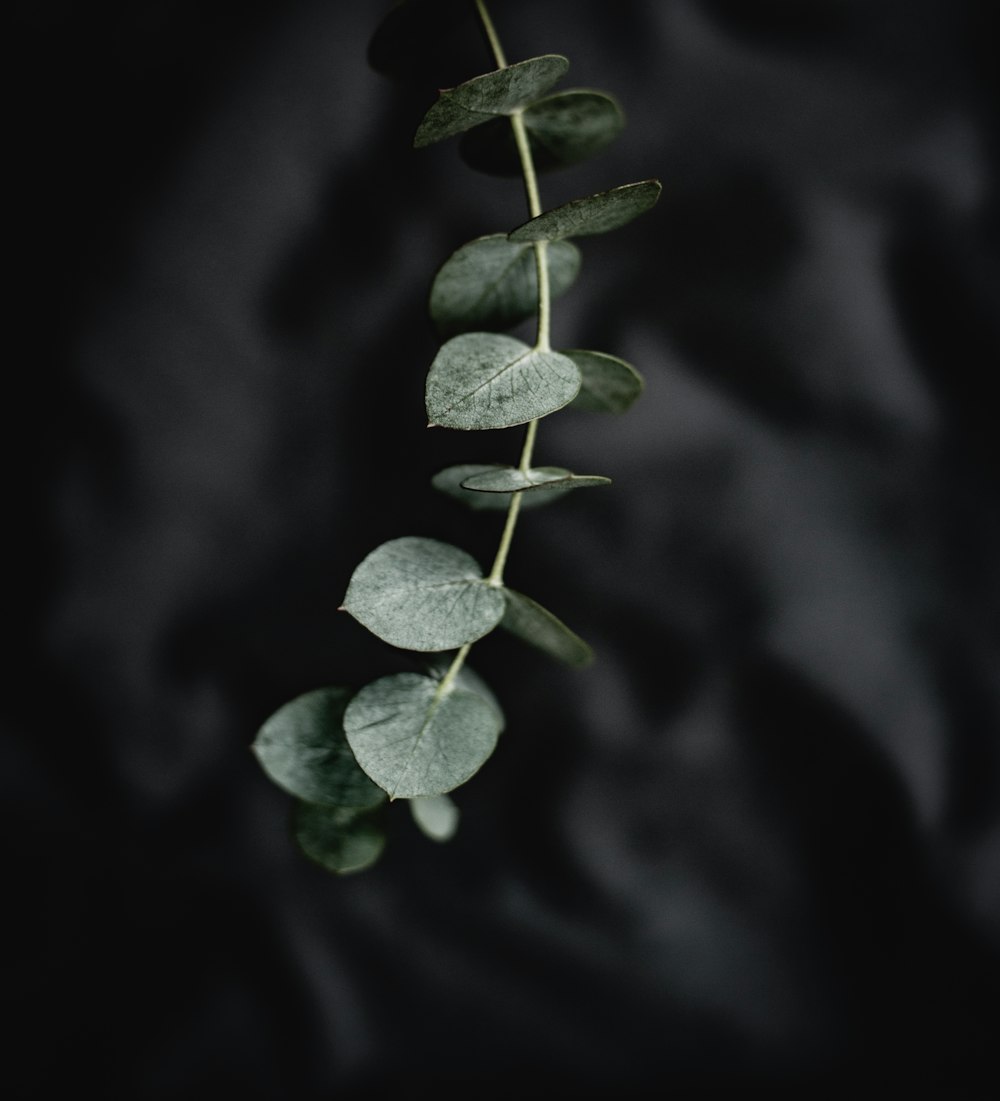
(758, 843)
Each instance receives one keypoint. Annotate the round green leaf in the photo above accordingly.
(436, 815)
(610, 385)
(487, 380)
(485, 97)
(450, 481)
(467, 679)
(595, 214)
(563, 129)
(414, 740)
(509, 479)
(534, 624)
(492, 283)
(337, 838)
(420, 594)
(471, 681)
(302, 748)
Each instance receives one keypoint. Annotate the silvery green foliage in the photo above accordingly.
(563, 129)
(419, 594)
(489, 380)
(492, 283)
(345, 755)
(414, 738)
(488, 97)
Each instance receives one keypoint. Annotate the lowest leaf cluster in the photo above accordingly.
(417, 736)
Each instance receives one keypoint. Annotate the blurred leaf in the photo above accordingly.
(432, 43)
(485, 97)
(610, 385)
(436, 815)
(563, 129)
(450, 481)
(492, 283)
(414, 740)
(536, 625)
(302, 748)
(487, 380)
(420, 594)
(509, 479)
(339, 839)
(598, 213)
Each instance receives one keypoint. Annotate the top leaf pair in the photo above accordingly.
(562, 129)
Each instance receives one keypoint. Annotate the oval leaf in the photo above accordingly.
(436, 815)
(420, 594)
(595, 214)
(412, 740)
(563, 129)
(509, 479)
(337, 838)
(450, 481)
(302, 748)
(492, 283)
(610, 385)
(485, 97)
(534, 624)
(487, 380)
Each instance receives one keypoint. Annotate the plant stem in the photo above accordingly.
(491, 34)
(541, 343)
(529, 446)
(496, 574)
(448, 680)
(544, 291)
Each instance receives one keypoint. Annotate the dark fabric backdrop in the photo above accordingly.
(758, 843)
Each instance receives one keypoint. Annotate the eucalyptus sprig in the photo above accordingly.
(417, 736)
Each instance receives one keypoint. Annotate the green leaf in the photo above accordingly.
(436, 815)
(471, 681)
(487, 380)
(485, 97)
(492, 283)
(413, 740)
(339, 839)
(534, 624)
(420, 594)
(610, 385)
(595, 214)
(302, 748)
(563, 129)
(450, 481)
(508, 479)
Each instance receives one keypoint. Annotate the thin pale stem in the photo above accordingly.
(527, 162)
(534, 209)
(496, 574)
(491, 34)
(529, 446)
(544, 291)
(448, 680)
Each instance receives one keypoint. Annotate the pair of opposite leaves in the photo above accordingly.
(485, 380)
